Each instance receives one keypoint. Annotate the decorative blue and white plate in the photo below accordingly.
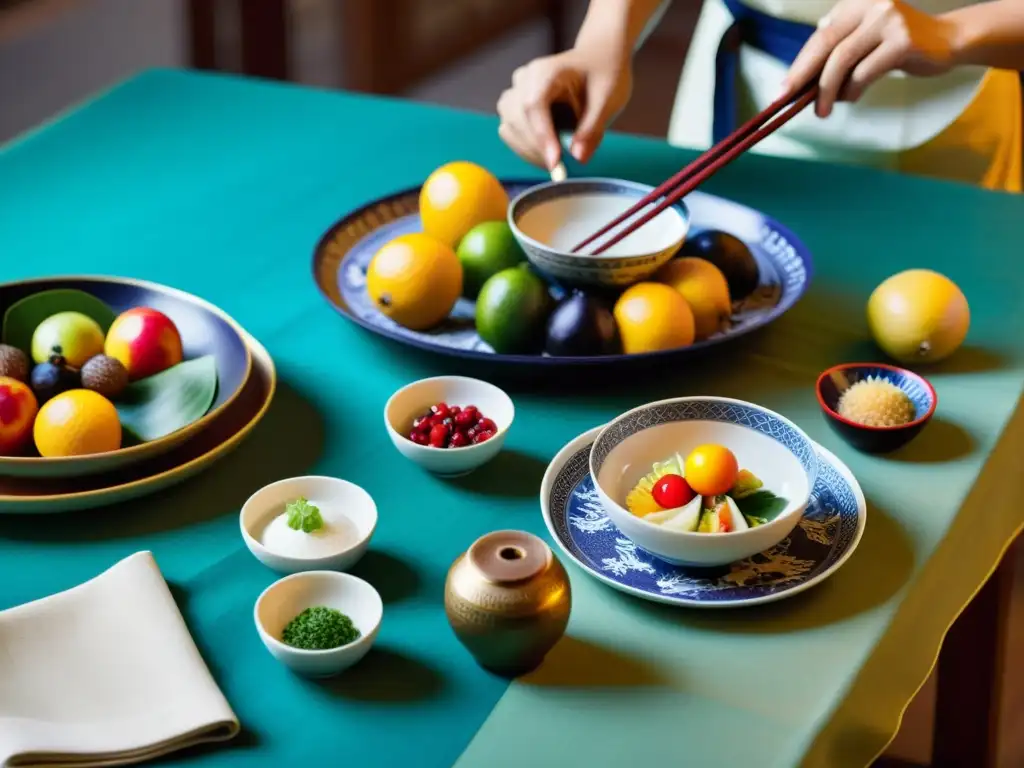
(823, 540)
(345, 251)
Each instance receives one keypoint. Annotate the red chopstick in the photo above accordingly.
(700, 170)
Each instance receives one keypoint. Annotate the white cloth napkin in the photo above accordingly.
(105, 673)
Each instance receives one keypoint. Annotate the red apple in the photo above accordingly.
(18, 408)
(145, 341)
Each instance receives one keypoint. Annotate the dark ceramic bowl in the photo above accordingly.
(205, 330)
(833, 382)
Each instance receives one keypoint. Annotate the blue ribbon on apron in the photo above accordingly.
(776, 37)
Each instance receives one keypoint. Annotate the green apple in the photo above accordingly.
(75, 336)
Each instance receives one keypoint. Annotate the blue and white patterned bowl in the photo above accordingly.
(767, 444)
(823, 539)
(837, 379)
(550, 219)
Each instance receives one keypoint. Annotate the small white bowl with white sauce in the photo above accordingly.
(349, 518)
(550, 219)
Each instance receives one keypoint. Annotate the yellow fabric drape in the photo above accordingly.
(983, 146)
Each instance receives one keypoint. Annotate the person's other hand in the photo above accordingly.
(597, 85)
(859, 41)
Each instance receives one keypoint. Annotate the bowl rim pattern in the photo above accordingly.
(707, 408)
(832, 413)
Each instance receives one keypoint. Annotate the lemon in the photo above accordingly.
(918, 316)
(458, 196)
(653, 317)
(705, 289)
(415, 280)
(79, 422)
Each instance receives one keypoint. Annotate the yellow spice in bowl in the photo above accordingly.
(876, 402)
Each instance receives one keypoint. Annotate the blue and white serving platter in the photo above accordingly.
(344, 252)
(824, 539)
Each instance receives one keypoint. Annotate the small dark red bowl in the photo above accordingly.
(838, 378)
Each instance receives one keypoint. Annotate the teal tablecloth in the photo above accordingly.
(221, 187)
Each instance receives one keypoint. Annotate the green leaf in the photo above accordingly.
(23, 317)
(303, 516)
(171, 400)
(761, 504)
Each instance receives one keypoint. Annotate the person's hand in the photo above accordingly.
(859, 41)
(597, 85)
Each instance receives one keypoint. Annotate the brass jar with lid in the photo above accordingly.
(508, 599)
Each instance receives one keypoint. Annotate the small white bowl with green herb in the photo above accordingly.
(311, 523)
(319, 623)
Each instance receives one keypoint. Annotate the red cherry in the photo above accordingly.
(672, 491)
(458, 440)
(439, 435)
(482, 437)
(486, 425)
(420, 438)
(465, 418)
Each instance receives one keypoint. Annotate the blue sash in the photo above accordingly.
(777, 37)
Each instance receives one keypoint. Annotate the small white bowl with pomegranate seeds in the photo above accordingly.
(449, 425)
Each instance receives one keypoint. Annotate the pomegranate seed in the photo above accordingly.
(454, 410)
(436, 419)
(486, 425)
(441, 409)
(672, 491)
(458, 440)
(420, 438)
(465, 418)
(472, 409)
(482, 437)
(439, 435)
(421, 424)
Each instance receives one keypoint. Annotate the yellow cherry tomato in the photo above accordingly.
(711, 469)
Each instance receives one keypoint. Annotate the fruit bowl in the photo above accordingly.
(186, 359)
(768, 444)
(549, 220)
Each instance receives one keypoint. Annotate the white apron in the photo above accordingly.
(964, 125)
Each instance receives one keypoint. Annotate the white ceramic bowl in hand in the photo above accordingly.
(767, 444)
(349, 516)
(285, 599)
(551, 219)
(416, 399)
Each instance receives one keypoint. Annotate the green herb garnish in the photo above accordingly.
(320, 629)
(303, 516)
(761, 505)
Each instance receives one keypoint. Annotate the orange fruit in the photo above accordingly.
(458, 196)
(652, 317)
(78, 422)
(705, 289)
(918, 316)
(711, 469)
(415, 280)
(18, 407)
